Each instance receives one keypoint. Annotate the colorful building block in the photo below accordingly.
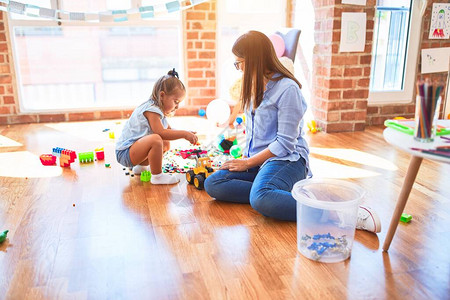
(86, 157)
(100, 153)
(111, 135)
(48, 159)
(405, 218)
(57, 151)
(146, 176)
(67, 157)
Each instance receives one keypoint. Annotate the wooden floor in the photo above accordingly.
(90, 232)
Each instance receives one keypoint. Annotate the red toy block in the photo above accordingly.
(186, 153)
(100, 154)
(48, 159)
(67, 157)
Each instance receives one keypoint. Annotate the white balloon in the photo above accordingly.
(218, 111)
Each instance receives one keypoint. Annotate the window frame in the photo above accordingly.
(410, 70)
(154, 22)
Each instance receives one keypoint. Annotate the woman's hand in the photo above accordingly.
(191, 137)
(236, 165)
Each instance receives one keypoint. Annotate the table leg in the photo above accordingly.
(410, 177)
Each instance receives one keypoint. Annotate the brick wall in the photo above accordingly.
(340, 80)
(377, 114)
(200, 56)
(8, 103)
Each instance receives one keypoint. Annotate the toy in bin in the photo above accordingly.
(198, 175)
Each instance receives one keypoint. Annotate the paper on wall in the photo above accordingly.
(353, 32)
(440, 21)
(354, 2)
(435, 60)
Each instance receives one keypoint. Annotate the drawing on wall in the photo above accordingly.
(435, 60)
(353, 32)
(440, 21)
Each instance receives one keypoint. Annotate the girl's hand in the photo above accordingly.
(236, 165)
(191, 137)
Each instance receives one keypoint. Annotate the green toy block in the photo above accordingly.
(146, 176)
(86, 157)
(3, 236)
(107, 165)
(405, 218)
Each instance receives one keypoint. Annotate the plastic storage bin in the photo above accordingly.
(327, 211)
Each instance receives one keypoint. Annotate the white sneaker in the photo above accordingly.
(368, 220)
(138, 169)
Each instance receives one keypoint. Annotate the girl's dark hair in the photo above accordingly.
(260, 61)
(168, 84)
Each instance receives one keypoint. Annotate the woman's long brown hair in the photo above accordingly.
(260, 61)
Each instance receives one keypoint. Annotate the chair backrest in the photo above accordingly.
(290, 37)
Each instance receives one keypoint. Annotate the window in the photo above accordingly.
(82, 65)
(394, 51)
(236, 17)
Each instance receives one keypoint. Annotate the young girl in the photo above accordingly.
(146, 135)
(276, 155)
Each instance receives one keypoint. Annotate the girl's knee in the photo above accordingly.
(166, 145)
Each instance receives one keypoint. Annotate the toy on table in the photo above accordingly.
(198, 175)
(405, 218)
(100, 153)
(48, 159)
(111, 135)
(3, 236)
(408, 125)
(201, 112)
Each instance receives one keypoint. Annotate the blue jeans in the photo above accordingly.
(267, 189)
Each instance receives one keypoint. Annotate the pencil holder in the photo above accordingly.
(427, 112)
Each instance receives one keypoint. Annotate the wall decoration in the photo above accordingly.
(440, 21)
(353, 32)
(435, 60)
(144, 12)
(354, 2)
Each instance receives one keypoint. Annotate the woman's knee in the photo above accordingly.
(260, 200)
(212, 184)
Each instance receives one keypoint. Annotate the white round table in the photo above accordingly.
(405, 142)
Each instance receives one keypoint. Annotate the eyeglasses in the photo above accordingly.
(236, 64)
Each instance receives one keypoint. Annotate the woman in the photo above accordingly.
(276, 154)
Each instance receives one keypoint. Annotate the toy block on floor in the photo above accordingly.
(146, 176)
(67, 157)
(57, 151)
(48, 159)
(100, 153)
(86, 157)
(405, 218)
